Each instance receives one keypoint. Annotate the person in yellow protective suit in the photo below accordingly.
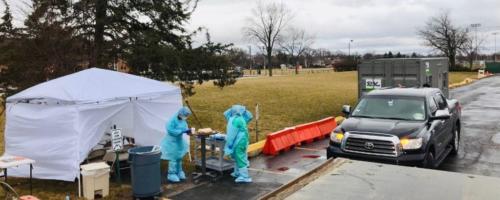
(237, 141)
(174, 146)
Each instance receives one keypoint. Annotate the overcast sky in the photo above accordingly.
(374, 25)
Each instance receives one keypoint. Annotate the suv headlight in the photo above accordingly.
(336, 137)
(411, 143)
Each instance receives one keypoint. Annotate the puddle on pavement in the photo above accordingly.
(311, 156)
(283, 169)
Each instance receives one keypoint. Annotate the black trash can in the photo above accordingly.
(145, 171)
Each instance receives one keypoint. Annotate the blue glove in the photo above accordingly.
(188, 131)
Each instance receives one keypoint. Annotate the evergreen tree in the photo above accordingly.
(150, 36)
(389, 55)
(61, 37)
(398, 55)
(42, 50)
(6, 28)
(6, 42)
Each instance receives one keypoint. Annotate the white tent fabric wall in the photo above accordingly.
(45, 133)
(149, 115)
(58, 133)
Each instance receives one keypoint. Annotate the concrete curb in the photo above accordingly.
(256, 148)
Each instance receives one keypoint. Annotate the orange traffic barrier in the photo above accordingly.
(279, 141)
(307, 132)
(287, 138)
(327, 125)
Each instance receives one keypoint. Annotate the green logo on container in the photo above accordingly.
(427, 69)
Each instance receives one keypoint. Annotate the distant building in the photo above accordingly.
(497, 58)
(477, 64)
(120, 65)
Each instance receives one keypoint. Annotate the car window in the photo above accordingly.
(441, 103)
(445, 104)
(433, 105)
(403, 108)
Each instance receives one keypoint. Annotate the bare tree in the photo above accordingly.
(295, 42)
(470, 49)
(440, 33)
(266, 25)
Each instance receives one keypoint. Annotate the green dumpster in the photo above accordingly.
(493, 67)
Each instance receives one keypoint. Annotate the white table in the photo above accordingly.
(8, 161)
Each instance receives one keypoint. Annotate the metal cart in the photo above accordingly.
(211, 155)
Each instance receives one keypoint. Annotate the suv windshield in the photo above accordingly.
(400, 108)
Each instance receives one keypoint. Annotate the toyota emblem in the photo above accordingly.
(369, 145)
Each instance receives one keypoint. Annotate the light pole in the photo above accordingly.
(349, 47)
(475, 26)
(495, 52)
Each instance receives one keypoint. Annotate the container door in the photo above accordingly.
(371, 77)
(405, 73)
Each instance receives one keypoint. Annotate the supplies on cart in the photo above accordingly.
(205, 131)
(214, 152)
(218, 136)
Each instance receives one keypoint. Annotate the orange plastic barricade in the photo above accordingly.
(307, 132)
(289, 137)
(279, 141)
(326, 125)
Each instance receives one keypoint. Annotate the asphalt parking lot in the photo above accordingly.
(480, 136)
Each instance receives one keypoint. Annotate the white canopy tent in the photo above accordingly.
(58, 122)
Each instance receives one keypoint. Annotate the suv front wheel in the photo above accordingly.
(428, 161)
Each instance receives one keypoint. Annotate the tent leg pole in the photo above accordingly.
(79, 187)
(117, 170)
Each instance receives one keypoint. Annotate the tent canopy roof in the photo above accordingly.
(94, 84)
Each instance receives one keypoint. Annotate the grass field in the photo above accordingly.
(284, 101)
(456, 77)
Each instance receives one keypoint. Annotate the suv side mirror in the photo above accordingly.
(441, 115)
(346, 109)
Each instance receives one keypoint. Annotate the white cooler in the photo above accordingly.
(95, 179)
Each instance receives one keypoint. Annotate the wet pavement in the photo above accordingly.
(480, 138)
(267, 172)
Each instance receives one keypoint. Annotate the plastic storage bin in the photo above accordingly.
(95, 178)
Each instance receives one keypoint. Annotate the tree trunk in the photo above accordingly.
(452, 61)
(269, 58)
(297, 67)
(100, 17)
(471, 62)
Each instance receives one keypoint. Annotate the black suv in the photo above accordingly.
(400, 125)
